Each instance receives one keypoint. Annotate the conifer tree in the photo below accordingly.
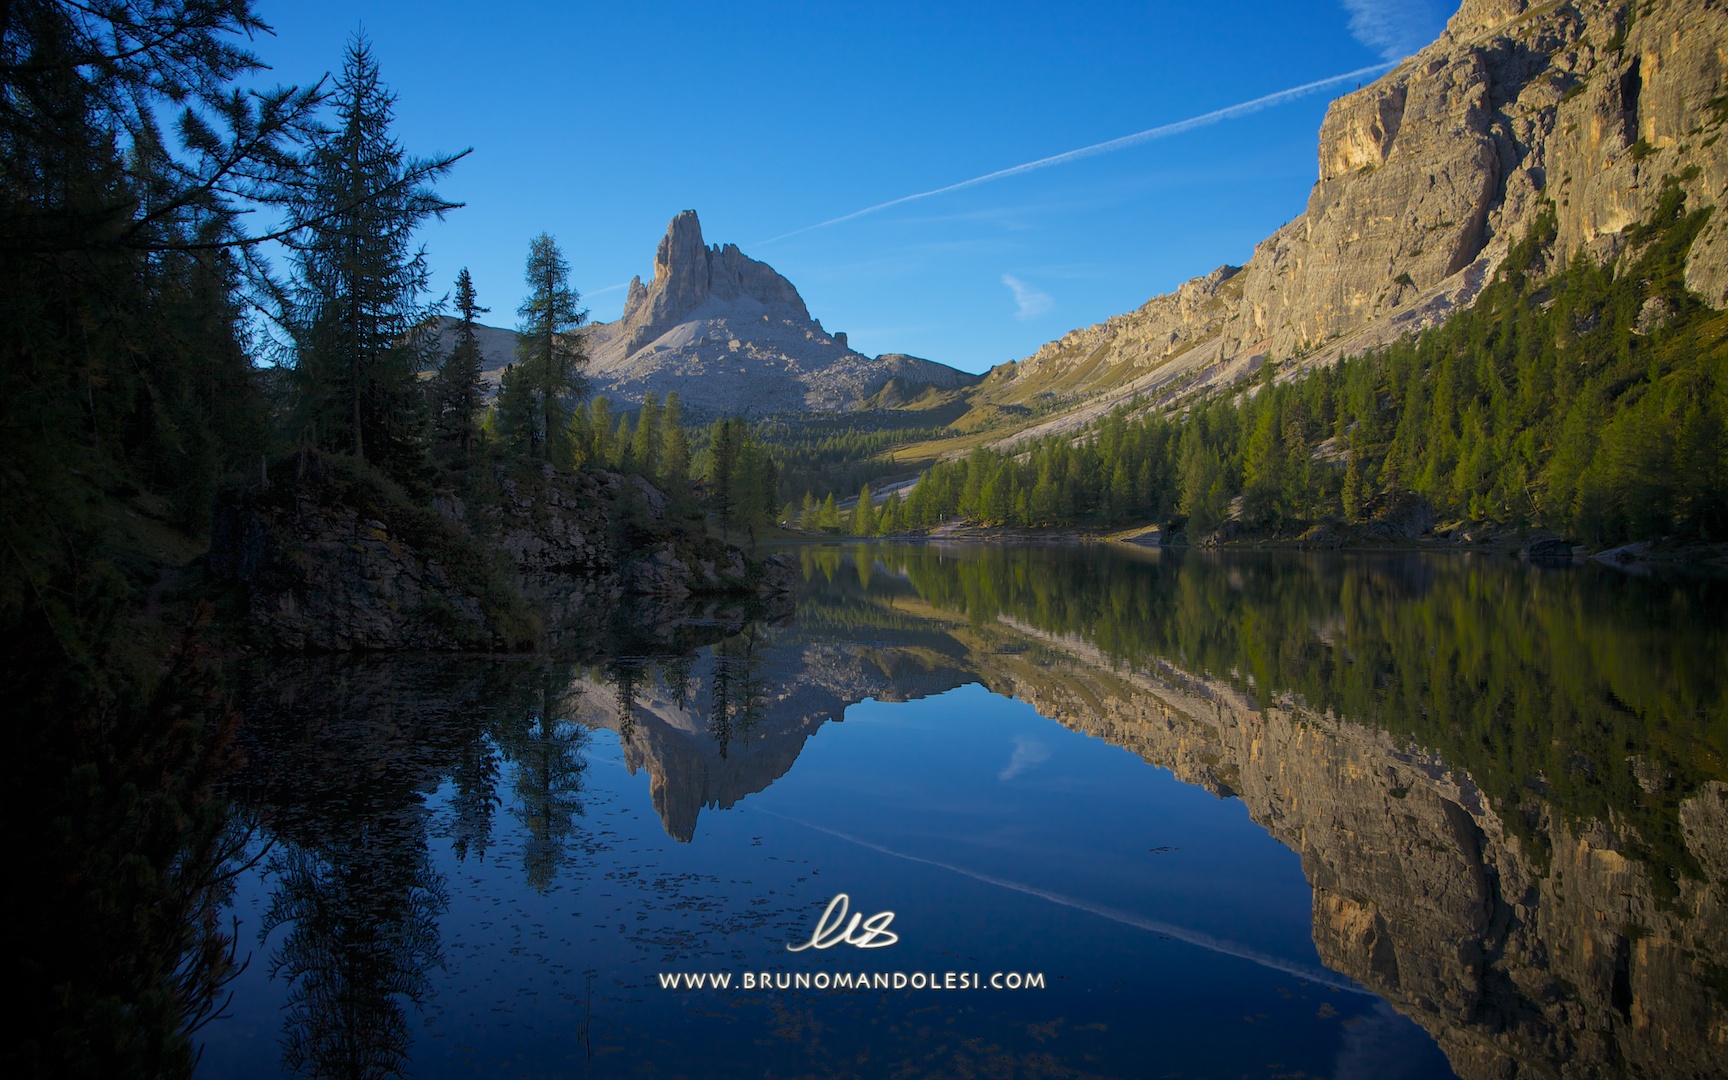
(354, 312)
(891, 521)
(724, 446)
(600, 427)
(548, 351)
(864, 514)
(675, 449)
(645, 443)
(460, 388)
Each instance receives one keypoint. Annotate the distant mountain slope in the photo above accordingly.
(732, 337)
(1426, 177)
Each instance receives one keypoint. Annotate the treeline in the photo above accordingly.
(1591, 401)
(841, 453)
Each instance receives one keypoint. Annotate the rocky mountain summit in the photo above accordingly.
(731, 336)
(1582, 108)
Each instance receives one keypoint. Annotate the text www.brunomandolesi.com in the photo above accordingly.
(849, 980)
(832, 929)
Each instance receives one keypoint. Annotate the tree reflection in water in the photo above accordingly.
(546, 746)
(1521, 750)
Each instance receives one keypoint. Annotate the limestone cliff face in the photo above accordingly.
(733, 337)
(1425, 179)
(688, 274)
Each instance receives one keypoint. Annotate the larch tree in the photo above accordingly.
(354, 309)
(549, 354)
(460, 388)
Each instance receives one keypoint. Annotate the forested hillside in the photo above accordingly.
(1587, 399)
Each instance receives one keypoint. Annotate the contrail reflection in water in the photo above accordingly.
(1126, 918)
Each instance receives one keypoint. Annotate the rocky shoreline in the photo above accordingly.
(323, 555)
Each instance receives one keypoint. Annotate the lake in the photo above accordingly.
(1101, 811)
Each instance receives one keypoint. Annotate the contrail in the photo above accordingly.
(1229, 112)
(1126, 918)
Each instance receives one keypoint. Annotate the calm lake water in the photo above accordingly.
(1217, 815)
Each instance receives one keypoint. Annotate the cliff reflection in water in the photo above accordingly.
(1506, 783)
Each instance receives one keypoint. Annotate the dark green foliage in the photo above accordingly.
(459, 390)
(1585, 401)
(126, 394)
(845, 451)
(743, 480)
(358, 327)
(546, 380)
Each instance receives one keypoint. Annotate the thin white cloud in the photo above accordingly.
(1028, 752)
(1397, 28)
(1229, 112)
(1029, 302)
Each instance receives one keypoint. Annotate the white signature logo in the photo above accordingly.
(833, 929)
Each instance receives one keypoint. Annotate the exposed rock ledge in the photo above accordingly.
(326, 556)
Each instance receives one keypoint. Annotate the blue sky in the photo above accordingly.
(599, 122)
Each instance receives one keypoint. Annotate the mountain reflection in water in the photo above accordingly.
(1505, 785)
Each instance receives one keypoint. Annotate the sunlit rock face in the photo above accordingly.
(730, 336)
(1427, 176)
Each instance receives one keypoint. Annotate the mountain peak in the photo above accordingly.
(689, 274)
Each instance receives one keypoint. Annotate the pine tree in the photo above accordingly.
(355, 313)
(674, 449)
(891, 522)
(600, 428)
(724, 445)
(1354, 494)
(548, 350)
(864, 514)
(460, 388)
(645, 444)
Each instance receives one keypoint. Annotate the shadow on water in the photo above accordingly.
(1505, 783)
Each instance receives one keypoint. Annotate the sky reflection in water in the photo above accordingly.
(533, 874)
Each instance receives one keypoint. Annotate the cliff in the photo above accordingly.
(1426, 177)
(732, 337)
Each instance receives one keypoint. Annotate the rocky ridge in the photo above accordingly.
(1426, 178)
(732, 337)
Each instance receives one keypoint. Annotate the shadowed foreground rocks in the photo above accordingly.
(324, 555)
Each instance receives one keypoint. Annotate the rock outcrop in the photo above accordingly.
(321, 556)
(732, 337)
(1426, 177)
